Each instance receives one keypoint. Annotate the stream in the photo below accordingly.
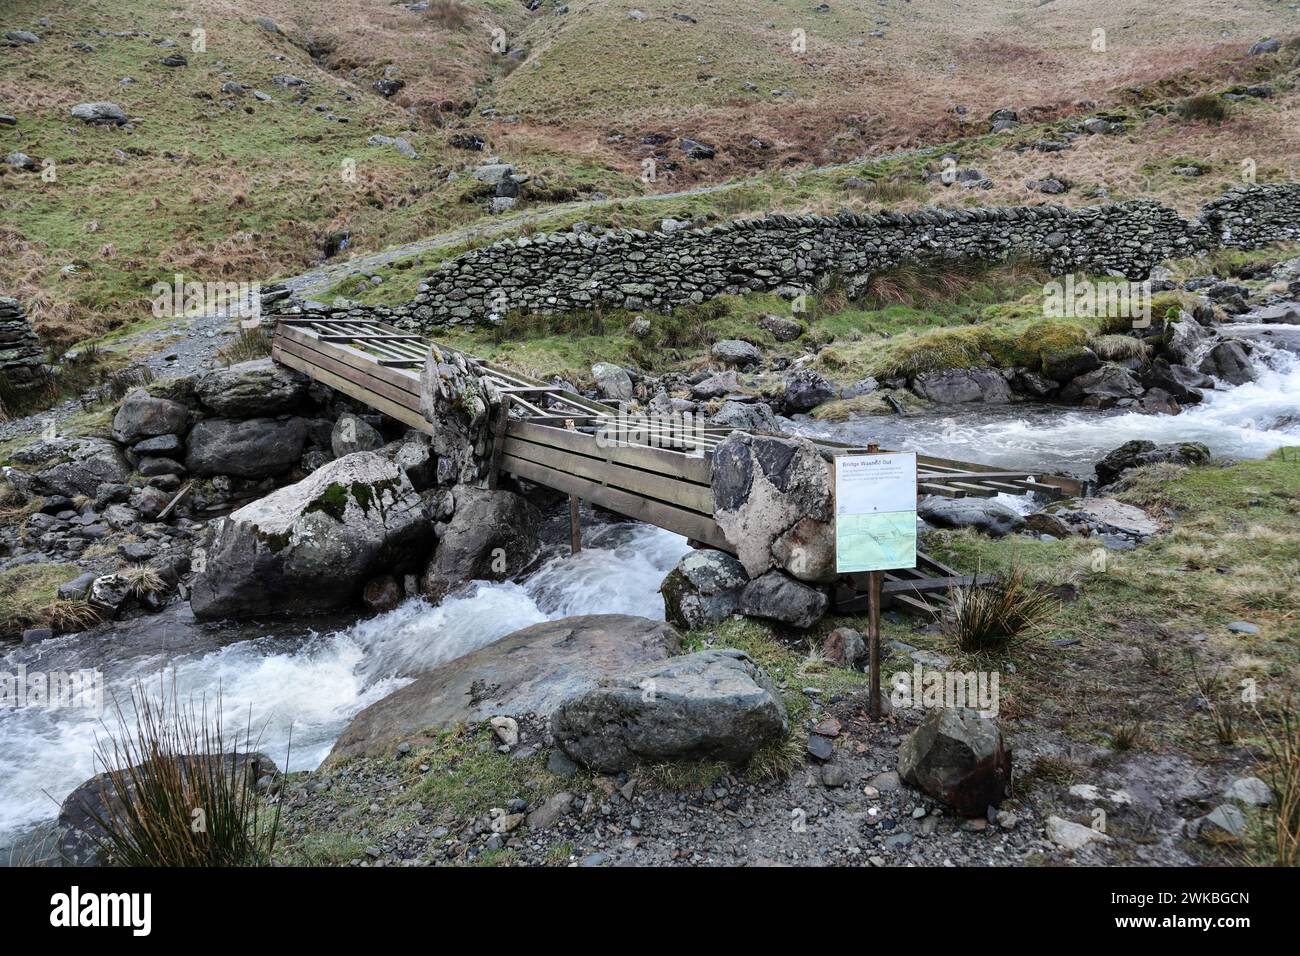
(312, 676)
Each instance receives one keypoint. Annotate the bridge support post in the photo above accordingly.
(575, 525)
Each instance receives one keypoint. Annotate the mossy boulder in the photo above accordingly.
(313, 545)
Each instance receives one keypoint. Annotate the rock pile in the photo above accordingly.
(20, 350)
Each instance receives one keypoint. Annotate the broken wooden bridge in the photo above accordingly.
(657, 471)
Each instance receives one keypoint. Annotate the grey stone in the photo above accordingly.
(351, 434)
(958, 757)
(1135, 454)
(777, 596)
(612, 381)
(531, 671)
(492, 536)
(103, 114)
(312, 545)
(762, 487)
(805, 390)
(984, 514)
(960, 385)
(252, 390)
(1250, 792)
(68, 466)
(142, 415)
(753, 417)
(735, 352)
(254, 448)
(703, 589)
(710, 705)
(1230, 362)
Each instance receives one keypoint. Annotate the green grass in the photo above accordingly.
(29, 598)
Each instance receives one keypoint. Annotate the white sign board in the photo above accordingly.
(875, 512)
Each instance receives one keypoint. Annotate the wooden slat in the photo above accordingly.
(354, 357)
(924, 584)
(353, 374)
(360, 393)
(689, 467)
(662, 487)
(678, 520)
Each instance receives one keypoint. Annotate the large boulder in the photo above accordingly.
(736, 353)
(776, 596)
(958, 757)
(1185, 384)
(1101, 388)
(763, 486)
(352, 433)
(458, 399)
(100, 114)
(612, 381)
(806, 389)
(142, 415)
(983, 514)
(531, 671)
(253, 448)
(80, 836)
(1133, 454)
(68, 466)
(1186, 339)
(703, 589)
(492, 536)
(253, 389)
(951, 386)
(745, 417)
(711, 705)
(1229, 362)
(313, 545)
(1065, 364)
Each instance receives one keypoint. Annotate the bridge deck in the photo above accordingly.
(554, 437)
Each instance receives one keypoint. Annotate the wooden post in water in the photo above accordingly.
(873, 628)
(575, 525)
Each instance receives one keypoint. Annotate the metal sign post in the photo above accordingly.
(875, 530)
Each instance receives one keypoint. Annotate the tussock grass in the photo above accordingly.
(1118, 348)
(248, 345)
(1282, 773)
(179, 792)
(1204, 108)
(29, 598)
(989, 617)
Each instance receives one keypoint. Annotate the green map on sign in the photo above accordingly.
(875, 542)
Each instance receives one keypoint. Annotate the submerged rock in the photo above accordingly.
(531, 671)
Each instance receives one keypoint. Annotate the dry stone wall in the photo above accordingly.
(630, 268)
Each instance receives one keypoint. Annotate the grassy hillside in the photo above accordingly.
(251, 184)
(209, 183)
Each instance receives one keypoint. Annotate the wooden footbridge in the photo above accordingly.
(653, 470)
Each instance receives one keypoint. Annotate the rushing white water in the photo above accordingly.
(314, 682)
(1248, 421)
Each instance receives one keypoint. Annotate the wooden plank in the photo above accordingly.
(692, 468)
(390, 408)
(358, 376)
(353, 357)
(678, 520)
(372, 338)
(924, 584)
(673, 490)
